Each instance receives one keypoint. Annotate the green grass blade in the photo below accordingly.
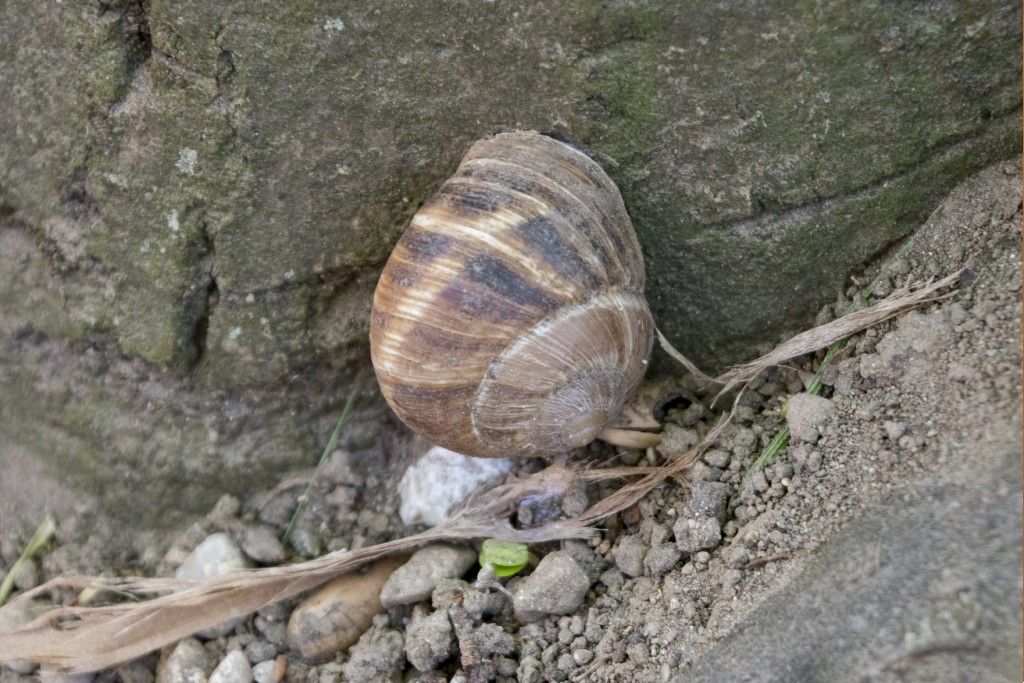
(331, 443)
(781, 438)
(39, 539)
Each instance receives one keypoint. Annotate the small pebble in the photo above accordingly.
(415, 580)
(429, 639)
(261, 544)
(805, 413)
(441, 480)
(188, 662)
(661, 558)
(692, 535)
(234, 668)
(556, 586)
(629, 555)
(264, 671)
(894, 430)
(336, 615)
(306, 543)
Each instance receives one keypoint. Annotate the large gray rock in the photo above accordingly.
(943, 604)
(200, 195)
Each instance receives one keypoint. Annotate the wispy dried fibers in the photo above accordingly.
(903, 299)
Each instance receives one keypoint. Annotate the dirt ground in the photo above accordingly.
(923, 429)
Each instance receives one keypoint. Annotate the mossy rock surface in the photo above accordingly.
(210, 189)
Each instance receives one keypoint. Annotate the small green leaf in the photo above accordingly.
(506, 557)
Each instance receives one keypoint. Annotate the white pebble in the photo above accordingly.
(234, 668)
(264, 672)
(441, 480)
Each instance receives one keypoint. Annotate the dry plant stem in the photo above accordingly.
(463, 626)
(82, 639)
(819, 337)
(761, 561)
(683, 360)
(824, 335)
(629, 438)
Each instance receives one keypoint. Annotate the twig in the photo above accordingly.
(761, 561)
(468, 655)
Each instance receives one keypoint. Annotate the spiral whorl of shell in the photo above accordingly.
(510, 318)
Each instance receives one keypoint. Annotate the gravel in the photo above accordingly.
(920, 409)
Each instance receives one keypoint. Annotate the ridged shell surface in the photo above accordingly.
(510, 318)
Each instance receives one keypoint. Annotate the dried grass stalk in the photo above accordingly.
(81, 639)
(903, 299)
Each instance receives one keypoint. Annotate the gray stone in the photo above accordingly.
(263, 672)
(445, 591)
(629, 555)
(556, 586)
(234, 668)
(188, 662)
(306, 542)
(262, 544)
(415, 580)
(661, 558)
(137, 671)
(589, 561)
(804, 415)
(428, 639)
(701, 533)
(216, 555)
(491, 639)
(708, 499)
(50, 676)
(378, 657)
(894, 430)
(260, 650)
(484, 604)
(717, 458)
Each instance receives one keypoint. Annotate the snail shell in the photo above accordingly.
(510, 318)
